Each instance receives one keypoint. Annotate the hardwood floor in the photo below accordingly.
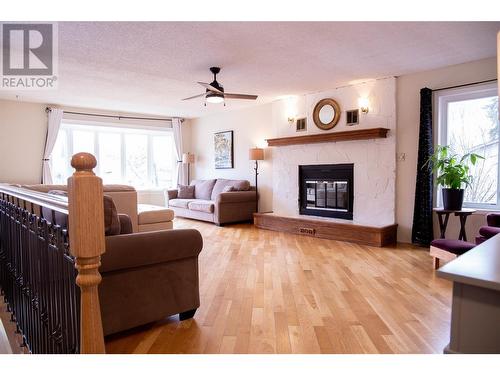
(270, 292)
(10, 342)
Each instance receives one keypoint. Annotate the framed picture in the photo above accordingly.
(223, 143)
(301, 125)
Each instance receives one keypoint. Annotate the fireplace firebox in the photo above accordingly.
(326, 190)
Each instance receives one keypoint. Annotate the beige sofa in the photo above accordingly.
(211, 203)
(144, 217)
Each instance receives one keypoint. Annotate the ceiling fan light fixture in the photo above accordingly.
(215, 98)
(214, 92)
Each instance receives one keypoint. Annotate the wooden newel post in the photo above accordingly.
(86, 236)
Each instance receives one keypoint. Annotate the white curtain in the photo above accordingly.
(54, 123)
(180, 178)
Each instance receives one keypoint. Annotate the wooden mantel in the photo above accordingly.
(350, 135)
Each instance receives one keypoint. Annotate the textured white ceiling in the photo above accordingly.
(149, 67)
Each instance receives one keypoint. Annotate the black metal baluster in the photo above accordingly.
(38, 278)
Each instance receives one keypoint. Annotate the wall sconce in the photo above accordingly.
(291, 109)
(364, 105)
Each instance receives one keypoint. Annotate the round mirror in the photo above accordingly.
(326, 114)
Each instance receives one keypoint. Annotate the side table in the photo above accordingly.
(443, 222)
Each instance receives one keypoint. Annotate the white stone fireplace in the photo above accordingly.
(374, 160)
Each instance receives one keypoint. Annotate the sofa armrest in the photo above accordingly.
(134, 250)
(236, 197)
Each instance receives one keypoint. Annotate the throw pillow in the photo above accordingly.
(112, 225)
(241, 185)
(111, 221)
(228, 189)
(185, 192)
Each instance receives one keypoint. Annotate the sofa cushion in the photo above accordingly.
(457, 247)
(149, 214)
(237, 185)
(203, 188)
(185, 192)
(241, 185)
(180, 203)
(201, 205)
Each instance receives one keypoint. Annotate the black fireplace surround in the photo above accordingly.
(326, 190)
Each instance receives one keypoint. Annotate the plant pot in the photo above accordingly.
(453, 199)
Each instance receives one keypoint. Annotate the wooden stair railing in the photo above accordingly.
(85, 211)
(86, 237)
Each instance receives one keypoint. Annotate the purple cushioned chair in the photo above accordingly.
(490, 230)
(444, 249)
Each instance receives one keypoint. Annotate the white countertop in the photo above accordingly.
(479, 266)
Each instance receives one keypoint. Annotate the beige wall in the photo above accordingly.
(23, 128)
(408, 114)
(251, 127)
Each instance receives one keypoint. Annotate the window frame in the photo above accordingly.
(441, 101)
(69, 125)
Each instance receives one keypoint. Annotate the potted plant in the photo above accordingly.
(453, 175)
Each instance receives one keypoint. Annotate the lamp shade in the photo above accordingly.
(188, 158)
(256, 154)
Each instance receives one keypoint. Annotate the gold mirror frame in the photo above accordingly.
(317, 109)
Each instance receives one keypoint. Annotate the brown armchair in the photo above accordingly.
(149, 276)
(146, 276)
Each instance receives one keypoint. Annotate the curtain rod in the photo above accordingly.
(116, 116)
(464, 85)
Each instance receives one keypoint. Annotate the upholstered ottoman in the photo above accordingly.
(151, 217)
(448, 249)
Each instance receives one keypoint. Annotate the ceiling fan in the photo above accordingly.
(214, 92)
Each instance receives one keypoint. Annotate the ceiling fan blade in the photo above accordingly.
(240, 96)
(196, 96)
(210, 87)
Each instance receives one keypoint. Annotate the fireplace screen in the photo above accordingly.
(327, 195)
(327, 190)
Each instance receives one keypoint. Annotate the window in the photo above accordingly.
(468, 122)
(141, 157)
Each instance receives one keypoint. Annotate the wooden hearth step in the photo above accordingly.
(329, 229)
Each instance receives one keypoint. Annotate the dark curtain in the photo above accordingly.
(422, 212)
